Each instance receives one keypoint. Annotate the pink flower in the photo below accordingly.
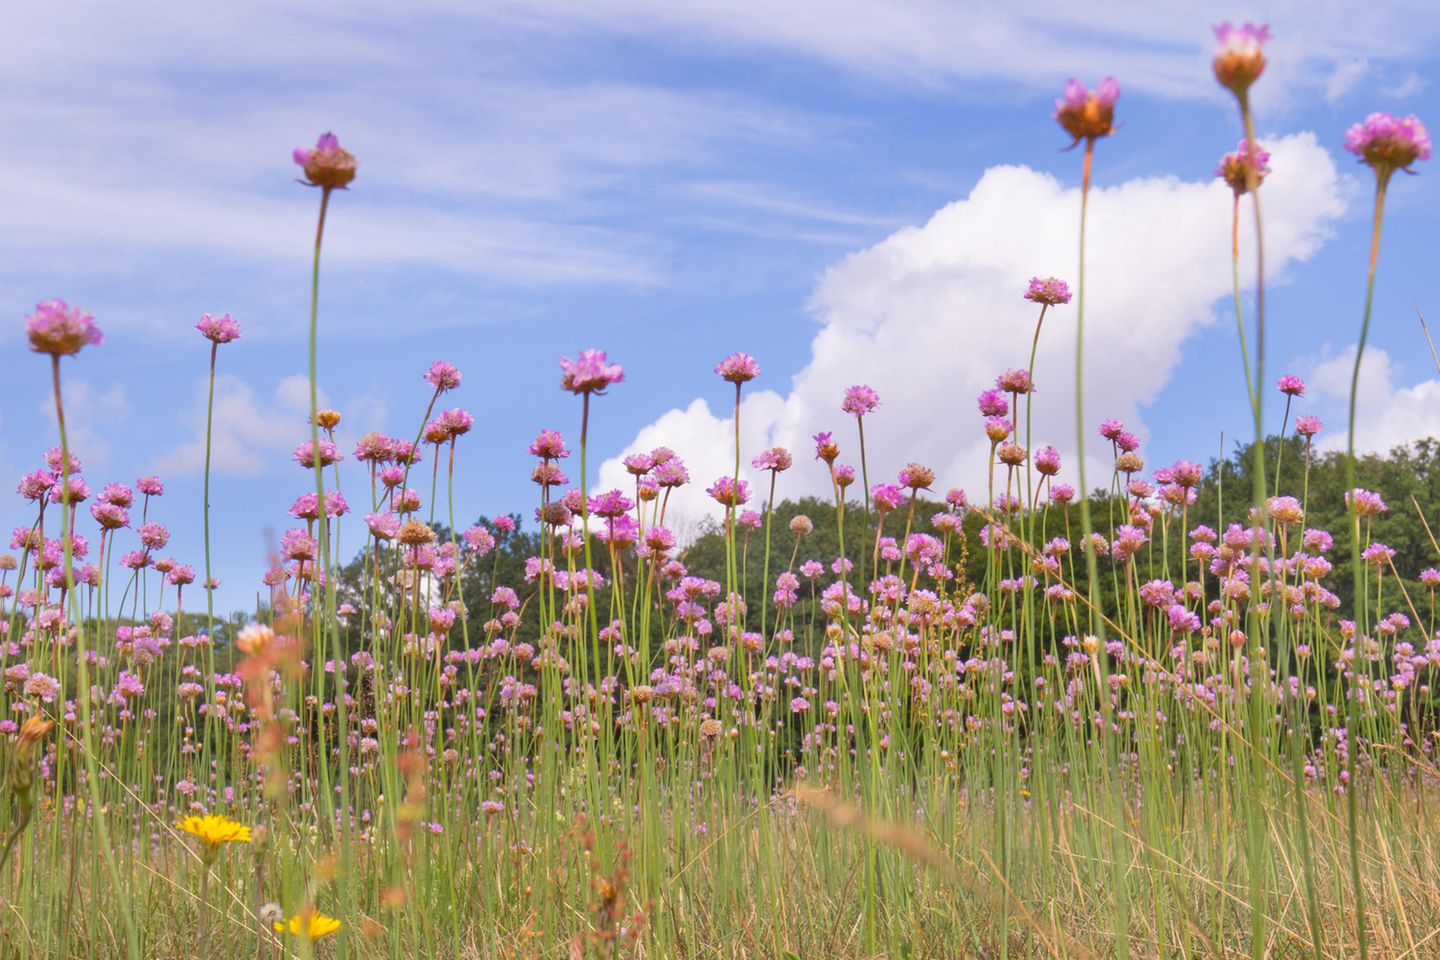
(887, 497)
(329, 165)
(589, 373)
(150, 486)
(1047, 461)
(1291, 385)
(728, 493)
(220, 329)
(1366, 503)
(738, 368)
(1049, 291)
(1014, 381)
(1186, 473)
(1086, 115)
(383, 526)
(1239, 59)
(549, 445)
(860, 400)
(1308, 426)
(1388, 142)
(58, 329)
(825, 448)
(1236, 168)
(992, 403)
(442, 376)
(777, 459)
(612, 503)
(305, 454)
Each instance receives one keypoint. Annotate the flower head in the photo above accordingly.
(826, 448)
(442, 376)
(1291, 385)
(59, 329)
(1049, 291)
(589, 373)
(329, 165)
(860, 400)
(220, 329)
(1086, 115)
(215, 830)
(738, 368)
(777, 459)
(1047, 461)
(1308, 426)
(992, 403)
(549, 445)
(728, 493)
(1365, 503)
(1014, 381)
(1388, 142)
(1239, 59)
(311, 926)
(1236, 168)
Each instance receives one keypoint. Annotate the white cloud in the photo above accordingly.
(1344, 77)
(1409, 85)
(1387, 414)
(251, 435)
(933, 313)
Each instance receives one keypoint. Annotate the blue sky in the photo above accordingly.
(851, 191)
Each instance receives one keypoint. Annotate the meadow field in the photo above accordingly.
(1172, 710)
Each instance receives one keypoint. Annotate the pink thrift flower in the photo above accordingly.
(1366, 503)
(1388, 142)
(442, 376)
(777, 459)
(992, 403)
(860, 400)
(1047, 461)
(1086, 115)
(728, 493)
(329, 165)
(738, 368)
(1239, 57)
(1236, 168)
(220, 329)
(826, 448)
(589, 373)
(1049, 291)
(1291, 385)
(58, 329)
(1308, 426)
(1014, 381)
(549, 445)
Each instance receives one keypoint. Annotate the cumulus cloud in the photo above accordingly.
(933, 313)
(1387, 414)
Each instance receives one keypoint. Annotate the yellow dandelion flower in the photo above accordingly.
(214, 830)
(318, 926)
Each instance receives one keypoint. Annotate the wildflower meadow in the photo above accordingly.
(1170, 711)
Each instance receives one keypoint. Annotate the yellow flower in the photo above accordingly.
(213, 830)
(318, 926)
